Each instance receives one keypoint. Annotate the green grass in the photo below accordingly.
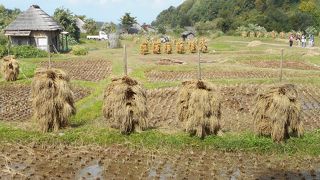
(84, 135)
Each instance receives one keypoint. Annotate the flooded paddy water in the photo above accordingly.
(121, 162)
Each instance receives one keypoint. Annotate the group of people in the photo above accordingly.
(301, 40)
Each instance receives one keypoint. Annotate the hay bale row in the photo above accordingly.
(180, 47)
(276, 114)
(260, 34)
(52, 99)
(10, 68)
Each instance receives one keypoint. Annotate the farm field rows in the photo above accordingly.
(92, 150)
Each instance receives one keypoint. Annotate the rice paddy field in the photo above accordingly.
(88, 149)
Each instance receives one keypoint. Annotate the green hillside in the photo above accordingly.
(226, 15)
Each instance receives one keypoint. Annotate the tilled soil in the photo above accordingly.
(87, 70)
(15, 101)
(162, 108)
(286, 64)
(119, 162)
(237, 103)
(167, 76)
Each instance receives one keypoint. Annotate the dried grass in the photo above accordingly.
(192, 46)
(198, 108)
(125, 105)
(180, 47)
(52, 99)
(254, 43)
(144, 48)
(156, 47)
(168, 48)
(10, 68)
(203, 45)
(277, 113)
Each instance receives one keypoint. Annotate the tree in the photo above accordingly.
(260, 5)
(90, 26)
(109, 27)
(162, 29)
(7, 16)
(127, 21)
(279, 15)
(224, 24)
(308, 6)
(301, 20)
(68, 21)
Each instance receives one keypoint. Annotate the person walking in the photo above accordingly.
(291, 38)
(311, 40)
(298, 40)
(303, 40)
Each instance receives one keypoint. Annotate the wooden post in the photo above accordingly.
(125, 67)
(49, 52)
(67, 43)
(281, 65)
(199, 66)
(9, 44)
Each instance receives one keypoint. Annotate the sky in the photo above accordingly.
(100, 10)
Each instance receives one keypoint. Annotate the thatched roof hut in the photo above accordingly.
(35, 27)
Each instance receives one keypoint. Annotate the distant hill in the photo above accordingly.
(226, 15)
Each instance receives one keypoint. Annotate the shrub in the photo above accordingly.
(3, 39)
(311, 30)
(3, 51)
(162, 30)
(177, 31)
(26, 51)
(79, 50)
(216, 34)
(204, 28)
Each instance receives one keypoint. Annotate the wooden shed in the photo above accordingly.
(35, 27)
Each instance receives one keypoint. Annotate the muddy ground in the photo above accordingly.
(87, 70)
(119, 162)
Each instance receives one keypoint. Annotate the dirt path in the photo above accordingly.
(114, 162)
(262, 43)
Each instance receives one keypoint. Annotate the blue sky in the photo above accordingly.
(100, 10)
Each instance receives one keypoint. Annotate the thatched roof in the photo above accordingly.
(34, 19)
